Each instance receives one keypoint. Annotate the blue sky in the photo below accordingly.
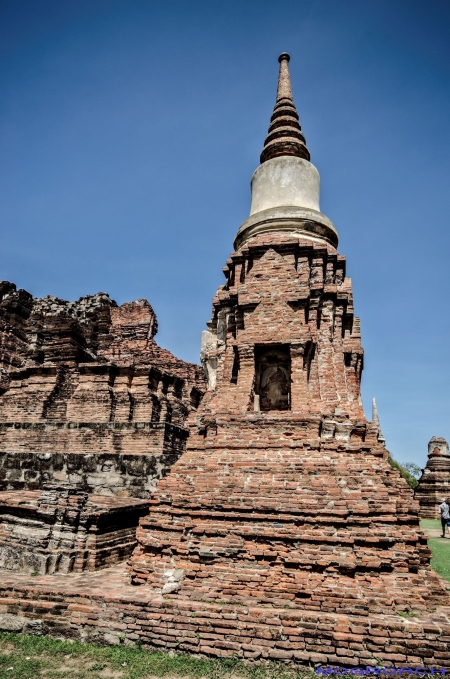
(129, 131)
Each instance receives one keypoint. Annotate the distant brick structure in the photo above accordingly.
(434, 484)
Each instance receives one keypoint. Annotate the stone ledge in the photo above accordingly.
(97, 426)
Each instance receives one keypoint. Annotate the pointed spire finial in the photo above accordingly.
(285, 136)
(376, 421)
(284, 90)
(375, 418)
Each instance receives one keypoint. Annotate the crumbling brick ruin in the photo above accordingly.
(434, 484)
(282, 532)
(87, 396)
(306, 509)
(89, 402)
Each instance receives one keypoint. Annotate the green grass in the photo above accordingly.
(407, 614)
(427, 524)
(32, 657)
(440, 549)
(440, 560)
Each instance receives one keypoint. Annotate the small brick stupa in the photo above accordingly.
(434, 484)
(285, 497)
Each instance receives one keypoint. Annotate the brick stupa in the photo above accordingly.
(285, 496)
(282, 532)
(434, 484)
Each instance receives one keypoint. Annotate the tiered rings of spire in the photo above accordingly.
(285, 136)
(286, 185)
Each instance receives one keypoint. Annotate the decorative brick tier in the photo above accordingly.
(61, 530)
(138, 438)
(108, 610)
(282, 291)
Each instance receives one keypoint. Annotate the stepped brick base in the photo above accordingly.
(61, 530)
(93, 608)
(305, 513)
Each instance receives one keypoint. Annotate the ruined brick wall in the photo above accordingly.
(99, 473)
(285, 496)
(87, 378)
(434, 484)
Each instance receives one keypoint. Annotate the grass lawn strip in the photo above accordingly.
(440, 561)
(440, 547)
(32, 657)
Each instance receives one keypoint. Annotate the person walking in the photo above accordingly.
(444, 510)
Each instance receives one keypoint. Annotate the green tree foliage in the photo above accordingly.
(411, 472)
(413, 469)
